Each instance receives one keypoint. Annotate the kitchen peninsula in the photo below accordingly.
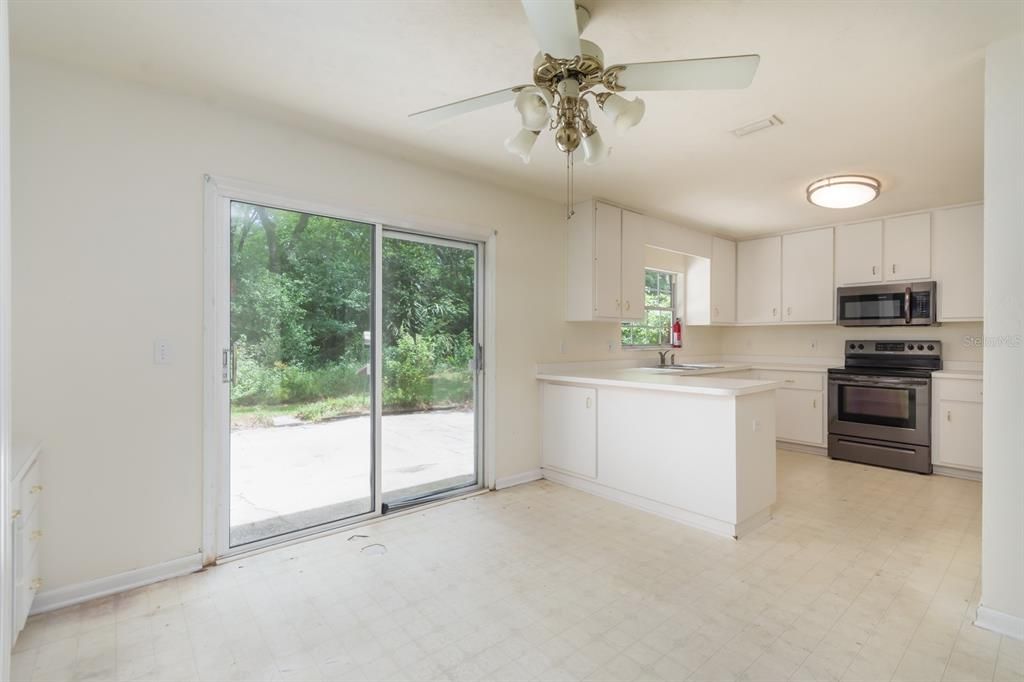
(686, 444)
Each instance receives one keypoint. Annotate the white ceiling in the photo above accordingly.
(891, 89)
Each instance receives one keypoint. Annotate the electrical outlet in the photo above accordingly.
(161, 352)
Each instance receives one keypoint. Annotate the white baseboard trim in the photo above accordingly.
(997, 621)
(518, 479)
(801, 447)
(677, 514)
(50, 600)
(954, 472)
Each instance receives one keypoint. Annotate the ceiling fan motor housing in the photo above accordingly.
(585, 68)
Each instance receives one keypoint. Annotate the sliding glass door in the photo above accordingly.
(429, 424)
(350, 370)
(301, 445)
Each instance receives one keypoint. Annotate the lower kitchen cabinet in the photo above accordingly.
(956, 423)
(799, 406)
(569, 429)
(799, 416)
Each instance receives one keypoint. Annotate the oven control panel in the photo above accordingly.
(894, 347)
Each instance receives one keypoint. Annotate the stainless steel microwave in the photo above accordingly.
(886, 305)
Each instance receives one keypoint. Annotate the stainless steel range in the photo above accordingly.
(879, 404)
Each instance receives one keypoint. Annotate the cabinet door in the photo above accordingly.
(569, 429)
(758, 280)
(799, 416)
(859, 253)
(957, 262)
(633, 237)
(960, 434)
(807, 276)
(723, 280)
(907, 247)
(607, 261)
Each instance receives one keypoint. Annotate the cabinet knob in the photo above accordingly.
(15, 514)
(36, 489)
(627, 304)
(894, 268)
(618, 304)
(36, 584)
(790, 381)
(774, 312)
(715, 309)
(588, 402)
(874, 269)
(789, 311)
(36, 534)
(814, 404)
(949, 415)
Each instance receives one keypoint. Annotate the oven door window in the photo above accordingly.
(871, 307)
(881, 406)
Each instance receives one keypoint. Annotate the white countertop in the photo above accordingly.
(701, 381)
(972, 374)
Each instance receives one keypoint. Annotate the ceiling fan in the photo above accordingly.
(568, 69)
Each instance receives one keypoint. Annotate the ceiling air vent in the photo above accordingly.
(764, 123)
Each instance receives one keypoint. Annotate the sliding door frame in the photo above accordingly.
(219, 192)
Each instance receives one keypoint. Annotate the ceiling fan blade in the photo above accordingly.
(554, 26)
(429, 117)
(713, 73)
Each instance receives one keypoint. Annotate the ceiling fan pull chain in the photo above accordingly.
(569, 212)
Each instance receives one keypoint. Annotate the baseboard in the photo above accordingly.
(50, 600)
(801, 447)
(997, 621)
(518, 479)
(954, 472)
(677, 514)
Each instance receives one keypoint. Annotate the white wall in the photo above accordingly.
(5, 347)
(108, 204)
(960, 340)
(1002, 533)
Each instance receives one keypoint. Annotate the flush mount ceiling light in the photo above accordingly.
(568, 70)
(843, 191)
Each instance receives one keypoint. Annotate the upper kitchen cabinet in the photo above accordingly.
(807, 276)
(957, 260)
(859, 253)
(907, 247)
(758, 280)
(605, 270)
(893, 250)
(723, 281)
(711, 285)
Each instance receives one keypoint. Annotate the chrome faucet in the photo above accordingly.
(663, 355)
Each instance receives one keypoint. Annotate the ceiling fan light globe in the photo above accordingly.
(624, 113)
(521, 144)
(534, 107)
(594, 148)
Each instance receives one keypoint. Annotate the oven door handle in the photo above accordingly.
(907, 310)
(881, 383)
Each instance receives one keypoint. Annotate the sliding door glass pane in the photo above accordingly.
(301, 448)
(428, 427)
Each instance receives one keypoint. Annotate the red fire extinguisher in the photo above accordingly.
(677, 334)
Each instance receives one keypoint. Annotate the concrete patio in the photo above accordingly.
(285, 478)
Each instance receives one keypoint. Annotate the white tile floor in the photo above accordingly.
(865, 574)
